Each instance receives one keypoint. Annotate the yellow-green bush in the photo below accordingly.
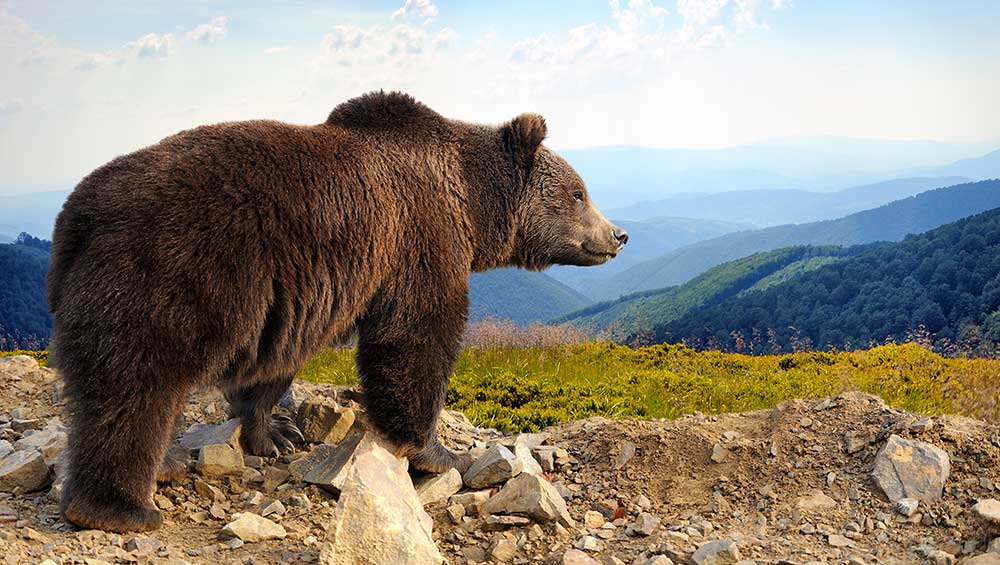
(41, 356)
(529, 388)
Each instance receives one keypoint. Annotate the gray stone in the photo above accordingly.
(495, 466)
(523, 454)
(530, 495)
(143, 545)
(456, 512)
(251, 527)
(322, 420)
(837, 540)
(436, 488)
(25, 470)
(545, 455)
(719, 453)
(471, 501)
(379, 517)
(198, 436)
(589, 543)
(645, 524)
(911, 469)
(274, 507)
(719, 552)
(5, 448)
(498, 523)
(503, 551)
(219, 460)
(593, 519)
(983, 559)
(855, 441)
(332, 470)
(659, 560)
(625, 453)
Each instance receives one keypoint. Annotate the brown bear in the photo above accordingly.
(230, 254)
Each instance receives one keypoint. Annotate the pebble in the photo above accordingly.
(577, 557)
(719, 552)
(497, 465)
(322, 420)
(589, 543)
(645, 524)
(435, 488)
(719, 453)
(250, 527)
(219, 459)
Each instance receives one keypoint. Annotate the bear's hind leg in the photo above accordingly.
(405, 382)
(263, 433)
(119, 432)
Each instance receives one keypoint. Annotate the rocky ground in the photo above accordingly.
(836, 480)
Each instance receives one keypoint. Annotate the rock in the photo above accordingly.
(589, 543)
(645, 524)
(322, 420)
(208, 491)
(530, 495)
(274, 507)
(5, 448)
(379, 517)
(923, 425)
(907, 506)
(19, 425)
(273, 478)
(940, 557)
(837, 540)
(523, 454)
(593, 519)
(496, 465)
(498, 523)
(455, 512)
(988, 509)
(719, 453)
(545, 455)
(911, 469)
(332, 469)
(659, 560)
(625, 453)
(577, 557)
(436, 488)
(471, 501)
(503, 551)
(855, 441)
(815, 501)
(250, 528)
(719, 552)
(220, 459)
(50, 441)
(143, 545)
(198, 436)
(25, 470)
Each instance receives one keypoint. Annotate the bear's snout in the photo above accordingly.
(619, 235)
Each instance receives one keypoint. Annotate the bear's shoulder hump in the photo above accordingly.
(380, 109)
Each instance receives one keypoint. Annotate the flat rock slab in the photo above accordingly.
(25, 470)
(815, 501)
(436, 488)
(495, 466)
(198, 436)
(906, 468)
(331, 467)
(530, 495)
(220, 459)
(379, 517)
(250, 528)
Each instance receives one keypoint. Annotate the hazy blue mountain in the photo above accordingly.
(983, 167)
(34, 212)
(647, 239)
(774, 207)
(620, 176)
(890, 222)
(521, 296)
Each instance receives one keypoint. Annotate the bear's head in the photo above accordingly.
(556, 222)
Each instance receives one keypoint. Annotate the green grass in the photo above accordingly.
(526, 389)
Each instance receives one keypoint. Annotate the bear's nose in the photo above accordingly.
(620, 235)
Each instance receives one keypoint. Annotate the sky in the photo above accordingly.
(84, 81)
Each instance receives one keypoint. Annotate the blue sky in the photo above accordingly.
(86, 81)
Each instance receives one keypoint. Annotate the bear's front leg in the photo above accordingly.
(261, 432)
(405, 364)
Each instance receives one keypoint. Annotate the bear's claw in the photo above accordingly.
(278, 436)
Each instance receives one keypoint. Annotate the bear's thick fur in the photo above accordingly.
(230, 254)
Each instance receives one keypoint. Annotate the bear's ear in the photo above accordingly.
(523, 135)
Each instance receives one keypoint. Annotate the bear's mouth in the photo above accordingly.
(603, 255)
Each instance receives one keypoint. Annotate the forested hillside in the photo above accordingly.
(24, 317)
(521, 296)
(638, 314)
(945, 283)
(890, 222)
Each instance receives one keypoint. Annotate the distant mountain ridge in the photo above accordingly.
(889, 222)
(521, 296)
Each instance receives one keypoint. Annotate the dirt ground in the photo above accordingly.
(735, 477)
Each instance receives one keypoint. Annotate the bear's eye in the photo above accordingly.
(578, 195)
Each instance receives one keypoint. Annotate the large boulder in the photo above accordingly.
(379, 518)
(906, 468)
(530, 495)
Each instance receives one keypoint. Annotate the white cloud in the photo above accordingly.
(416, 10)
(150, 46)
(446, 38)
(278, 49)
(210, 32)
(637, 14)
(344, 39)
